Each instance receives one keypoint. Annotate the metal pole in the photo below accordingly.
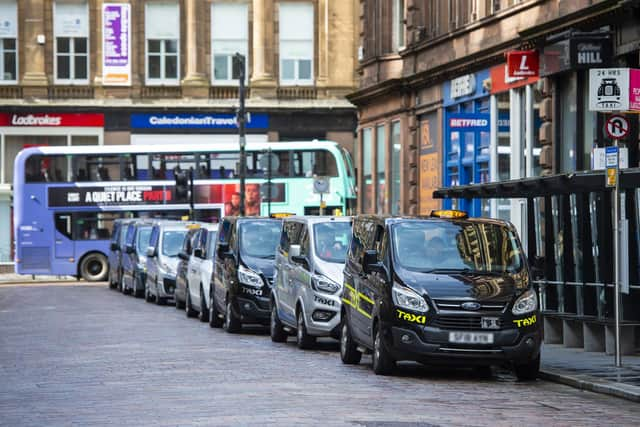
(616, 257)
(241, 130)
(191, 195)
(269, 182)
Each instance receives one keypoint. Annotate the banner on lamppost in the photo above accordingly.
(116, 44)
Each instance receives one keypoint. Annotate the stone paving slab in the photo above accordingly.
(87, 355)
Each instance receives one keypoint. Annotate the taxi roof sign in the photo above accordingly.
(281, 215)
(450, 213)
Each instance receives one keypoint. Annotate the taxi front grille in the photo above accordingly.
(458, 323)
(169, 285)
(456, 305)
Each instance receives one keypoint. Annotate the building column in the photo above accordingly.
(34, 80)
(263, 83)
(194, 84)
(323, 44)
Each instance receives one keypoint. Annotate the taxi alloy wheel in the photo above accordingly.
(276, 330)
(203, 316)
(147, 293)
(231, 322)
(383, 363)
(188, 309)
(348, 350)
(214, 318)
(305, 341)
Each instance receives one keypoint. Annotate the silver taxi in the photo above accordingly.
(308, 278)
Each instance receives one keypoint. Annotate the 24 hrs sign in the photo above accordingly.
(609, 89)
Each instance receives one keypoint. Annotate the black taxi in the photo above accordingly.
(439, 289)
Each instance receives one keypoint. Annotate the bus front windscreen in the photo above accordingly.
(172, 242)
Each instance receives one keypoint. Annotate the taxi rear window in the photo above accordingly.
(443, 245)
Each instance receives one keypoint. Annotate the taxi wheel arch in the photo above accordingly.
(382, 361)
(92, 260)
(304, 340)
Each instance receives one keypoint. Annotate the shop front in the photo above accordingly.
(466, 126)
(23, 130)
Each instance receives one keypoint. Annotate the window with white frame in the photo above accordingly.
(296, 43)
(162, 40)
(229, 35)
(397, 31)
(8, 41)
(71, 46)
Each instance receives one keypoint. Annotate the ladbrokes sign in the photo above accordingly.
(51, 120)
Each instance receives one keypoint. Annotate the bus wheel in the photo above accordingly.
(94, 268)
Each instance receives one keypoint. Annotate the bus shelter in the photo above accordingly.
(569, 238)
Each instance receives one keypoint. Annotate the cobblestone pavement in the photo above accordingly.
(80, 354)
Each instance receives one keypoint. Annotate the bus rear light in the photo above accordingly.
(18, 260)
(72, 259)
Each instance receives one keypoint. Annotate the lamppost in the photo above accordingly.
(238, 70)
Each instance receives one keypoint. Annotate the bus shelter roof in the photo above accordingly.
(577, 182)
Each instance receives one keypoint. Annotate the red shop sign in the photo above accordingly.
(51, 119)
(501, 83)
(523, 63)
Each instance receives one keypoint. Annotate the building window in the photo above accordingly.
(395, 168)
(162, 33)
(8, 42)
(229, 34)
(367, 193)
(296, 43)
(380, 168)
(71, 47)
(397, 30)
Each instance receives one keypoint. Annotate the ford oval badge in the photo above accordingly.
(473, 306)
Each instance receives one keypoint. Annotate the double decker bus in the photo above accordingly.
(66, 198)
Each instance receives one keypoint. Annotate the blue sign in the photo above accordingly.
(196, 121)
(469, 122)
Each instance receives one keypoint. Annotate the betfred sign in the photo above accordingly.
(52, 120)
(523, 63)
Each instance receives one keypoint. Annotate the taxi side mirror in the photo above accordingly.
(151, 252)
(114, 247)
(197, 253)
(370, 262)
(128, 249)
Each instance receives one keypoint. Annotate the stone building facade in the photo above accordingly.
(435, 108)
(96, 72)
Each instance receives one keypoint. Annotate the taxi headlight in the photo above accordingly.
(526, 303)
(249, 277)
(406, 298)
(323, 284)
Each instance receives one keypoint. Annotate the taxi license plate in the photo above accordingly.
(470, 338)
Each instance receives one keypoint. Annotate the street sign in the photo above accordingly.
(609, 89)
(523, 63)
(611, 162)
(321, 185)
(617, 127)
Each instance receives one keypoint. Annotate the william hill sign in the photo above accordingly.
(577, 51)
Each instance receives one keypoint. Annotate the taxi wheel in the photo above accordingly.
(137, 292)
(147, 293)
(305, 341)
(214, 317)
(528, 371)
(348, 350)
(203, 316)
(188, 309)
(231, 322)
(383, 363)
(276, 330)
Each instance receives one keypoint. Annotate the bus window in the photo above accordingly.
(281, 166)
(223, 165)
(40, 168)
(63, 224)
(314, 163)
(93, 225)
(101, 168)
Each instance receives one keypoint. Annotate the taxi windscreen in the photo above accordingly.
(332, 240)
(260, 238)
(432, 246)
(172, 242)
